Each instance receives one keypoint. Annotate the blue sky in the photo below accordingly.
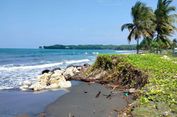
(31, 23)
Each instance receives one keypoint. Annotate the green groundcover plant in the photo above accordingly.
(159, 96)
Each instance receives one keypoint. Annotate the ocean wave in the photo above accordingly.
(40, 66)
(76, 61)
(4, 68)
(12, 76)
(5, 87)
(124, 51)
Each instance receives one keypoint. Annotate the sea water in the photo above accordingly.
(18, 65)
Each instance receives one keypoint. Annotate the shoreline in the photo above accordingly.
(17, 103)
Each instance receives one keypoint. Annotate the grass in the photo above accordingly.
(159, 95)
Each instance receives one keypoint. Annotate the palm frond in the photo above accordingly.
(128, 26)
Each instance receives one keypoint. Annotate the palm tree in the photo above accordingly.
(142, 25)
(165, 20)
(146, 43)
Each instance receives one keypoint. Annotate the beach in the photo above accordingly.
(15, 102)
(82, 100)
(19, 65)
(88, 100)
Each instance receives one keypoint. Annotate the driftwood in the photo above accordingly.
(98, 94)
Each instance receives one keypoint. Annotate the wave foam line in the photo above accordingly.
(77, 61)
(13, 68)
(30, 67)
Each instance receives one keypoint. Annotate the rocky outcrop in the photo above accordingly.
(56, 78)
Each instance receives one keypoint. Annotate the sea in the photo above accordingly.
(18, 65)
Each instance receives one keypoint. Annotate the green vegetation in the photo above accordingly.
(159, 95)
(113, 70)
(113, 47)
(154, 75)
(156, 27)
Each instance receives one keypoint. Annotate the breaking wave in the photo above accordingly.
(11, 76)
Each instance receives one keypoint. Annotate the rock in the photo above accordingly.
(57, 77)
(53, 86)
(45, 71)
(55, 69)
(37, 86)
(59, 72)
(65, 84)
(71, 71)
(86, 65)
(73, 66)
(70, 66)
(79, 68)
(51, 80)
(44, 78)
(132, 90)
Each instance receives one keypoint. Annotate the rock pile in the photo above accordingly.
(53, 79)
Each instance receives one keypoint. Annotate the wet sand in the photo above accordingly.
(18, 103)
(88, 100)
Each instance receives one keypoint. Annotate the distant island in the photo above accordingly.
(91, 47)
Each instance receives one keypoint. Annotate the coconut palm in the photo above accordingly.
(146, 43)
(142, 25)
(165, 20)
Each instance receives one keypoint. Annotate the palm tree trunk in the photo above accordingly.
(137, 46)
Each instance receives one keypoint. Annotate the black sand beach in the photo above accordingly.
(88, 100)
(18, 103)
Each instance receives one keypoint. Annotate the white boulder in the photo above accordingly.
(53, 86)
(51, 80)
(37, 86)
(58, 72)
(44, 76)
(65, 84)
(70, 71)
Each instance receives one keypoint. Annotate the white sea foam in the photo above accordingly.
(125, 51)
(5, 68)
(5, 87)
(77, 61)
(11, 76)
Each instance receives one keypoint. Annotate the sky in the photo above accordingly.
(34, 23)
